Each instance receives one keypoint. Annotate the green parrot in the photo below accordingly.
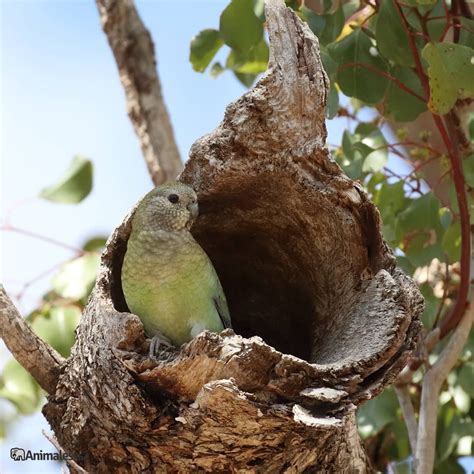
(167, 278)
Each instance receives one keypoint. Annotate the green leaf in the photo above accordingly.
(333, 27)
(377, 413)
(461, 399)
(436, 21)
(204, 47)
(373, 182)
(466, 378)
(466, 37)
(400, 448)
(390, 199)
(330, 66)
(57, 327)
(254, 61)
(332, 105)
(216, 70)
(315, 22)
(419, 229)
(239, 27)
(95, 244)
(371, 136)
(431, 305)
(421, 213)
(436, 27)
(445, 217)
(471, 127)
(453, 198)
(349, 8)
(406, 265)
(76, 279)
(391, 36)
(357, 60)
(259, 9)
(293, 4)
(19, 387)
(352, 160)
(75, 184)
(450, 73)
(449, 466)
(414, 3)
(246, 79)
(374, 161)
(399, 105)
(452, 242)
(468, 166)
(449, 437)
(326, 27)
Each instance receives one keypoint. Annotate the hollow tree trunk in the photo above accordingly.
(298, 249)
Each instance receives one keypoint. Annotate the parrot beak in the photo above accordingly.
(193, 208)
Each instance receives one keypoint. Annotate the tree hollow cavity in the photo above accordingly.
(290, 260)
(294, 260)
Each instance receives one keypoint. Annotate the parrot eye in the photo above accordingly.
(174, 198)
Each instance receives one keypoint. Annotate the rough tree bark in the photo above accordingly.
(134, 54)
(323, 316)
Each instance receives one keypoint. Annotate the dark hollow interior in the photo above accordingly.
(289, 259)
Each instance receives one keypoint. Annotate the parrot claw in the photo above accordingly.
(157, 342)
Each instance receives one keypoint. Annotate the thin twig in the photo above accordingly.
(432, 383)
(399, 83)
(414, 50)
(38, 277)
(408, 412)
(429, 342)
(52, 439)
(443, 298)
(453, 318)
(29, 233)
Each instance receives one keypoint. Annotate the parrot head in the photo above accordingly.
(171, 206)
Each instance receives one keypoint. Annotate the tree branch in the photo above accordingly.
(134, 53)
(37, 357)
(408, 414)
(432, 383)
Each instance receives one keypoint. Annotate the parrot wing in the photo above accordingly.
(222, 308)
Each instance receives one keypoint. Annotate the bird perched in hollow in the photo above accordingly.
(167, 278)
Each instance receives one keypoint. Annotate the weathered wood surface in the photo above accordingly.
(298, 248)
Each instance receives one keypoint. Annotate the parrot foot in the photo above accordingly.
(157, 342)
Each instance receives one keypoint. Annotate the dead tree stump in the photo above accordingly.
(323, 317)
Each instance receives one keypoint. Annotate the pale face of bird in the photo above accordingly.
(172, 206)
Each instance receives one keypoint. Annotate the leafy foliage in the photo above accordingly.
(55, 321)
(391, 61)
(74, 186)
(451, 69)
(204, 47)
